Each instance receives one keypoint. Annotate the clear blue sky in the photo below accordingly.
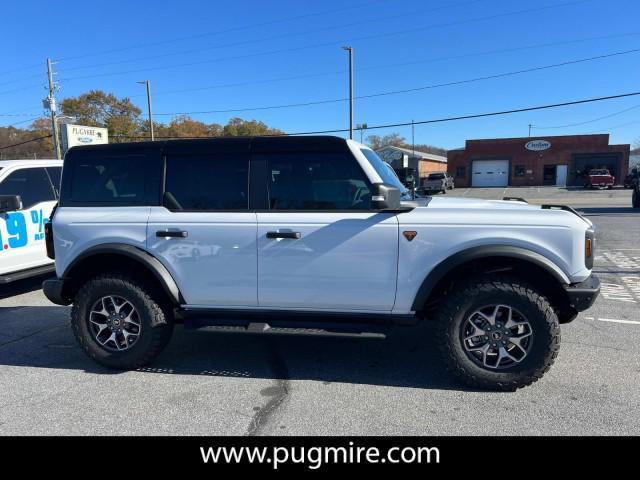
(214, 55)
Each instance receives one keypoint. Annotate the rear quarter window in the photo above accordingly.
(119, 179)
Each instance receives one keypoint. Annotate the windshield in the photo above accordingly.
(599, 172)
(436, 176)
(385, 171)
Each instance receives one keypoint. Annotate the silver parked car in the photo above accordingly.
(438, 182)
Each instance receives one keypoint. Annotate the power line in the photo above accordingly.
(389, 65)
(221, 32)
(398, 64)
(16, 114)
(614, 127)
(436, 120)
(324, 44)
(21, 122)
(20, 89)
(407, 90)
(26, 141)
(586, 122)
(22, 79)
(385, 18)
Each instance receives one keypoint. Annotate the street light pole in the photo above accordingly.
(350, 50)
(148, 84)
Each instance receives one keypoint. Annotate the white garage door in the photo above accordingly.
(490, 173)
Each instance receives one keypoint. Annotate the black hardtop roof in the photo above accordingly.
(320, 143)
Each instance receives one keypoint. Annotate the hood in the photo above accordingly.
(509, 211)
(457, 202)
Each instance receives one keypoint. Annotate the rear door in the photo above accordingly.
(204, 233)
(22, 232)
(320, 247)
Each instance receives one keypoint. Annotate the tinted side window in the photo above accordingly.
(309, 181)
(210, 182)
(55, 174)
(108, 179)
(32, 184)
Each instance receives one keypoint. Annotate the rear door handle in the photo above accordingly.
(294, 235)
(172, 233)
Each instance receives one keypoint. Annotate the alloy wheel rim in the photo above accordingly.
(115, 323)
(497, 337)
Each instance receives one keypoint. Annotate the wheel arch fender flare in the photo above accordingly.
(476, 253)
(153, 265)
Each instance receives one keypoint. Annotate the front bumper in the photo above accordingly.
(582, 295)
(53, 289)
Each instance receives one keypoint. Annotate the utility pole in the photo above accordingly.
(50, 101)
(413, 138)
(350, 50)
(148, 84)
(530, 130)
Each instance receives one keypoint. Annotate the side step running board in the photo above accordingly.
(324, 329)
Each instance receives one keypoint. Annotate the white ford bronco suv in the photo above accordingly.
(307, 235)
(28, 191)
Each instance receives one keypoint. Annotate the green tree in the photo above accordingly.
(26, 147)
(238, 127)
(99, 109)
(185, 126)
(376, 141)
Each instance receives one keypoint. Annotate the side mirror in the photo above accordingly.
(10, 203)
(385, 197)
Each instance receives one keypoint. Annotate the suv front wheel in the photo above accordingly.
(120, 323)
(497, 333)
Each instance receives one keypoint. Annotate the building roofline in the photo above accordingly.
(430, 156)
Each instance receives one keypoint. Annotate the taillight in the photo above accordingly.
(48, 234)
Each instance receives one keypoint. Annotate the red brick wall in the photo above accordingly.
(428, 166)
(560, 153)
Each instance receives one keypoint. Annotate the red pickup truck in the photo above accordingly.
(599, 178)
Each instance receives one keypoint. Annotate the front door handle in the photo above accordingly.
(294, 235)
(172, 233)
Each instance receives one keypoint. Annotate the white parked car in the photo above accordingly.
(28, 191)
(308, 235)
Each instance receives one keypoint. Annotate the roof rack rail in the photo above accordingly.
(514, 199)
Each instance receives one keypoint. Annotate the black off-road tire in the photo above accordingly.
(505, 290)
(154, 314)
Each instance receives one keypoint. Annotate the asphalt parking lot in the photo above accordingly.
(217, 384)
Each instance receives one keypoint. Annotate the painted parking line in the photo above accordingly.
(614, 320)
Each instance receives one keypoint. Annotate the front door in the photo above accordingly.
(205, 234)
(561, 175)
(320, 247)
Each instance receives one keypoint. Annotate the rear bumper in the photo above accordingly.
(53, 289)
(582, 295)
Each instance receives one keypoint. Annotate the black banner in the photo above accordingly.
(482, 455)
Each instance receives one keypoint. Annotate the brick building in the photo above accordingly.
(422, 162)
(556, 160)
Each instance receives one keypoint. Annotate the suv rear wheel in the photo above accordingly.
(119, 322)
(498, 333)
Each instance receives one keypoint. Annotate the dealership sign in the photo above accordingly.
(74, 135)
(538, 145)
